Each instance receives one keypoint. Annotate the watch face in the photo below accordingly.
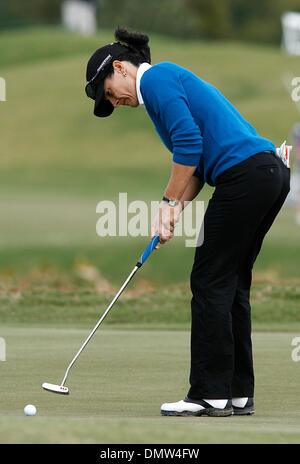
(173, 202)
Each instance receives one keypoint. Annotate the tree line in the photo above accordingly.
(252, 20)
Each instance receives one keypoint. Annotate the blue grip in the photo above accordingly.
(149, 249)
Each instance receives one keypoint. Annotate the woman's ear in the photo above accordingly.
(118, 66)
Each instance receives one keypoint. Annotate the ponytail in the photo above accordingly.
(137, 43)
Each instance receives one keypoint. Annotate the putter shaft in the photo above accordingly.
(99, 322)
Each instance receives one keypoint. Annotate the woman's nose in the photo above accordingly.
(115, 102)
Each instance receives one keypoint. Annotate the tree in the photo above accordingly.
(213, 18)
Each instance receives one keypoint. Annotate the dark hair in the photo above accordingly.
(136, 48)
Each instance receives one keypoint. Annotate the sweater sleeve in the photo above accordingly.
(166, 97)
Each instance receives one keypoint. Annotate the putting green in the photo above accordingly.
(120, 381)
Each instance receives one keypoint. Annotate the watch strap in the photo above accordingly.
(170, 202)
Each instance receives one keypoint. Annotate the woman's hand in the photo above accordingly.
(182, 185)
(165, 221)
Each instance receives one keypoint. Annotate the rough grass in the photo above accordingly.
(61, 302)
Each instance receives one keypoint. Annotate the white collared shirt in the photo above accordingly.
(141, 69)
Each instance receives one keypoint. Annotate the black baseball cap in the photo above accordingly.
(96, 71)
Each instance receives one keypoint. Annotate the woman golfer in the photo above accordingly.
(210, 142)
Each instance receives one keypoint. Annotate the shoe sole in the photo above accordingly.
(212, 412)
(243, 412)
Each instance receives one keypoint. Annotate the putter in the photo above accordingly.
(62, 388)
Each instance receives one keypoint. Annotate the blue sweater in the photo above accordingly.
(197, 123)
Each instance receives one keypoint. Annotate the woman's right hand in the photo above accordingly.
(154, 227)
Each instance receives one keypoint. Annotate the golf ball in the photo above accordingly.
(30, 410)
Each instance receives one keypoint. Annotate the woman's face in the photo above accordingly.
(120, 87)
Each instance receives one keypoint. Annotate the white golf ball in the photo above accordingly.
(30, 410)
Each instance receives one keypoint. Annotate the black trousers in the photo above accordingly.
(246, 200)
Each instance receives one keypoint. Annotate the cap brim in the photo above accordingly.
(102, 107)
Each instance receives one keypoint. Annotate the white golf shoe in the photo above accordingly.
(243, 406)
(188, 407)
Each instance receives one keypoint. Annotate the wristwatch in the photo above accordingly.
(171, 202)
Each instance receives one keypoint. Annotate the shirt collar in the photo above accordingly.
(141, 69)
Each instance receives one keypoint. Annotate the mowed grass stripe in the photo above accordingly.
(119, 383)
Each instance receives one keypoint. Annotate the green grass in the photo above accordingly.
(58, 160)
(59, 233)
(61, 147)
(275, 306)
(120, 381)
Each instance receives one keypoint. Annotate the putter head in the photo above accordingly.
(56, 388)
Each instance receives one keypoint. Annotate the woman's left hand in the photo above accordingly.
(165, 221)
